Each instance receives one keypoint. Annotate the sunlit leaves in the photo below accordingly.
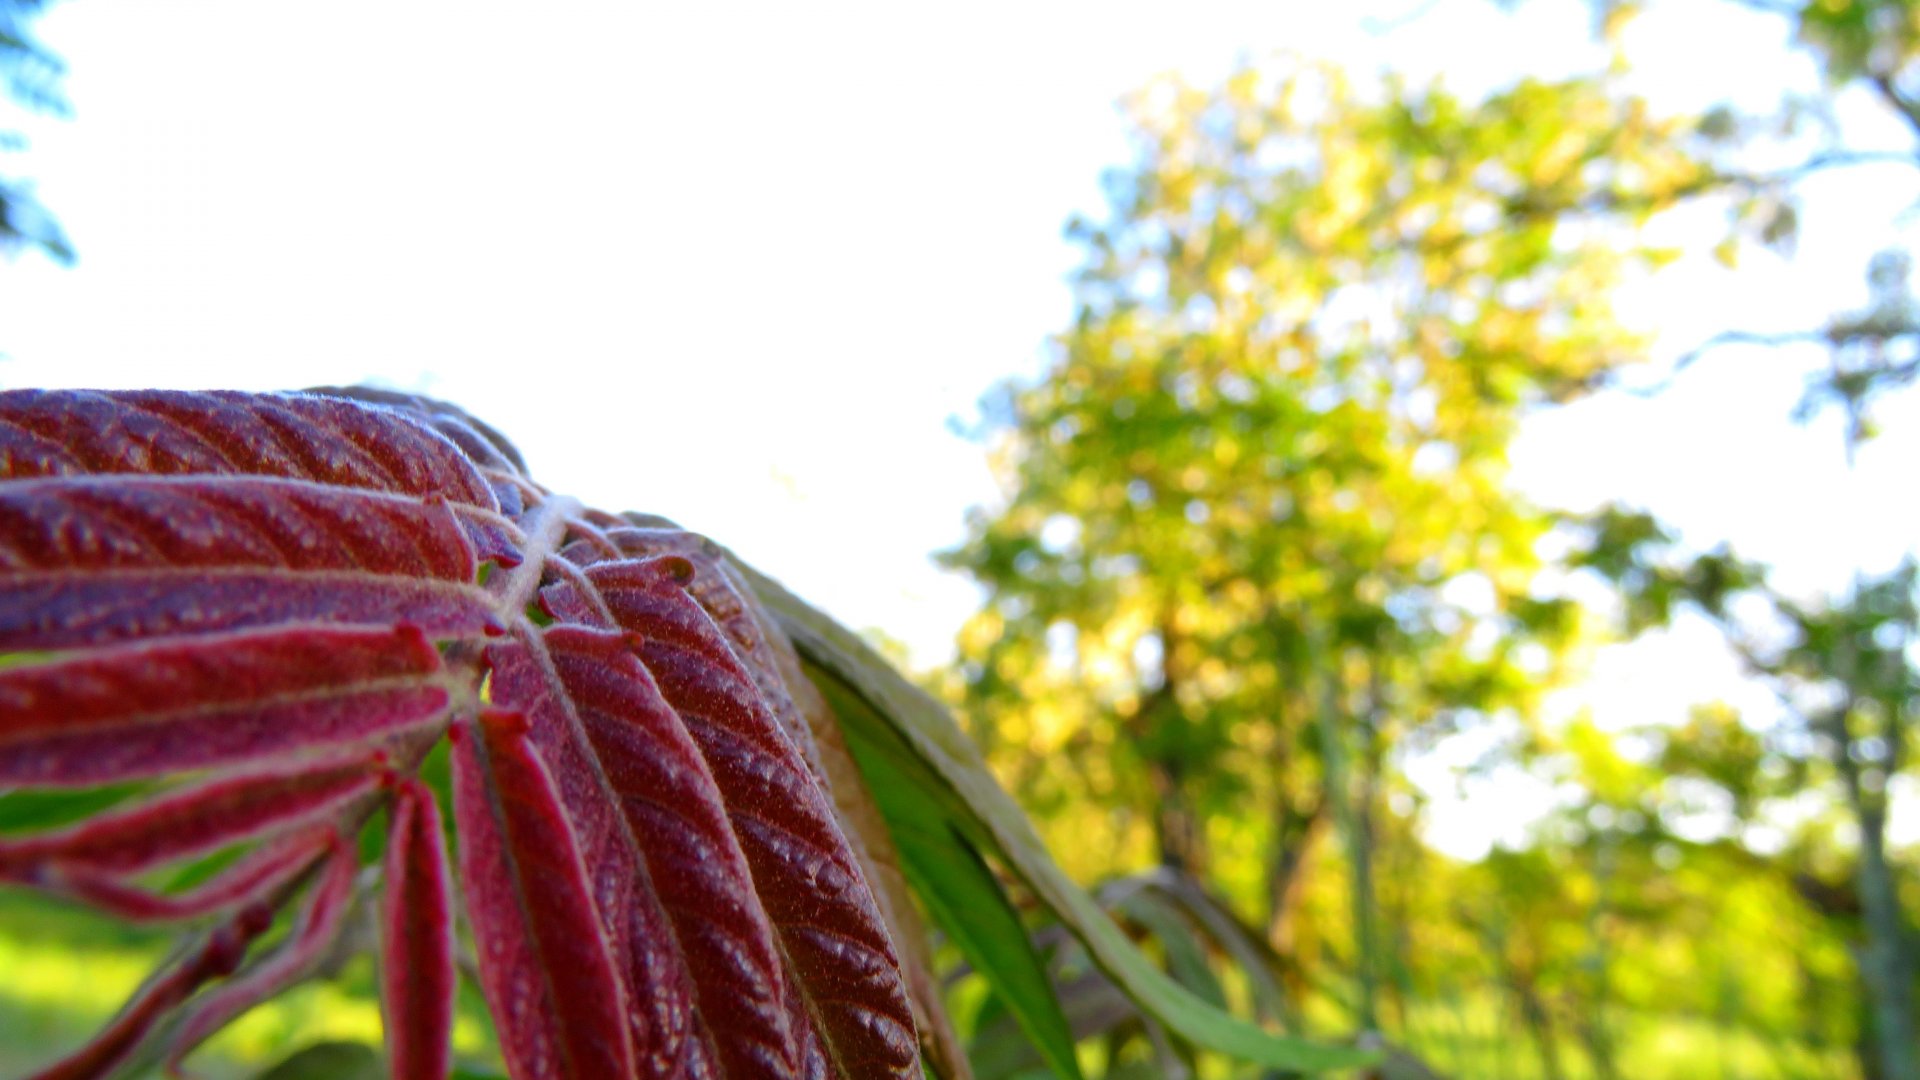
(1257, 533)
(983, 814)
(1277, 431)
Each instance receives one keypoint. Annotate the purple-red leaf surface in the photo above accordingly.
(261, 613)
(417, 982)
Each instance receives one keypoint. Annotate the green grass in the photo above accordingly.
(1476, 1036)
(64, 972)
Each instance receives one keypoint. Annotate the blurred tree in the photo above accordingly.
(1843, 667)
(1845, 674)
(32, 79)
(1865, 47)
(1256, 539)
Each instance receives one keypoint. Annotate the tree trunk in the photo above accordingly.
(1295, 832)
(1533, 1011)
(1363, 844)
(1297, 822)
(1178, 832)
(1340, 796)
(1594, 1030)
(1886, 962)
(1539, 1021)
(1179, 835)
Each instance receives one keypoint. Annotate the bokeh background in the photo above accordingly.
(1435, 475)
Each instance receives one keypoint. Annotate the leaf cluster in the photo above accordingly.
(272, 660)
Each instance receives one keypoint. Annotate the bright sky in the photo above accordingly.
(739, 264)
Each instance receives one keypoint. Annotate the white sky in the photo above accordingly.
(739, 264)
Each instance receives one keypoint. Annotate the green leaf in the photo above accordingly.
(1186, 953)
(1251, 954)
(329, 1061)
(939, 742)
(1094, 1008)
(949, 875)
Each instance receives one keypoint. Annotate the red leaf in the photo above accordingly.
(39, 612)
(144, 709)
(416, 939)
(813, 1064)
(486, 447)
(254, 878)
(665, 1034)
(546, 967)
(119, 523)
(195, 819)
(806, 876)
(161, 433)
(292, 597)
(216, 956)
(692, 858)
(319, 924)
(722, 594)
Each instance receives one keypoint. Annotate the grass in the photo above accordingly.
(65, 972)
(1476, 1036)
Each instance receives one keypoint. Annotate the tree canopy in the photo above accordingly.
(31, 76)
(1258, 551)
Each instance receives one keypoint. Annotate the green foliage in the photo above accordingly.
(946, 870)
(982, 809)
(31, 76)
(329, 1061)
(1256, 550)
(1849, 685)
(1263, 482)
(1870, 48)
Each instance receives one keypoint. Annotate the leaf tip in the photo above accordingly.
(509, 722)
(675, 568)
